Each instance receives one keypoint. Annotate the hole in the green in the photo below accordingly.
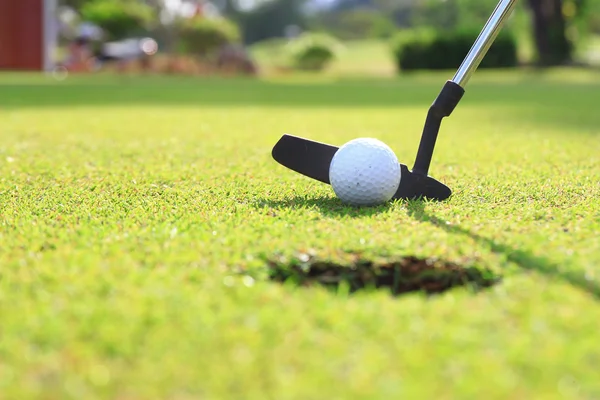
(404, 275)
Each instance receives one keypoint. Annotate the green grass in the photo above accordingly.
(129, 205)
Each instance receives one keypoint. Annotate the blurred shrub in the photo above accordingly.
(118, 18)
(429, 49)
(204, 37)
(313, 51)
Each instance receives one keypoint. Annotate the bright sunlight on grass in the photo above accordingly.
(129, 206)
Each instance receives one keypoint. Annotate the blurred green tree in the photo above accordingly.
(118, 18)
(355, 24)
(550, 31)
(260, 20)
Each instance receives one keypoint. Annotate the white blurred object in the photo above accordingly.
(89, 31)
(130, 48)
(149, 46)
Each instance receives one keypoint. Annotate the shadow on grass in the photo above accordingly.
(219, 92)
(164, 91)
(416, 209)
(537, 102)
(327, 206)
(522, 258)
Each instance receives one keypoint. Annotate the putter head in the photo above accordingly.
(312, 159)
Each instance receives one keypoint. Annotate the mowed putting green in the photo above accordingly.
(133, 207)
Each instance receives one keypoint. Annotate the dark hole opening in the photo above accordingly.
(405, 275)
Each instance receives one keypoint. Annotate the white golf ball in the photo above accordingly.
(364, 172)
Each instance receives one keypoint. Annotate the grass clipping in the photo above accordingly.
(405, 275)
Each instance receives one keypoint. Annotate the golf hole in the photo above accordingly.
(405, 275)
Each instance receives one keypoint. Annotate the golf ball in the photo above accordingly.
(364, 172)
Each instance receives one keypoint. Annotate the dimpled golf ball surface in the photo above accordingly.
(364, 172)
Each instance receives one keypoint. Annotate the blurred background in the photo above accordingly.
(258, 37)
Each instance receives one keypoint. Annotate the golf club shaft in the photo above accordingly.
(484, 41)
(454, 89)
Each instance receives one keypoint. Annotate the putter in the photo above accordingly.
(312, 159)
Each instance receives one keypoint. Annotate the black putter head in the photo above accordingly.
(312, 159)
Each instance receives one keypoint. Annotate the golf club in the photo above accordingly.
(312, 159)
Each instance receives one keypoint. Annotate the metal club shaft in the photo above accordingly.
(484, 42)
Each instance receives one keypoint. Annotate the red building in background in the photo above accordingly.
(27, 34)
